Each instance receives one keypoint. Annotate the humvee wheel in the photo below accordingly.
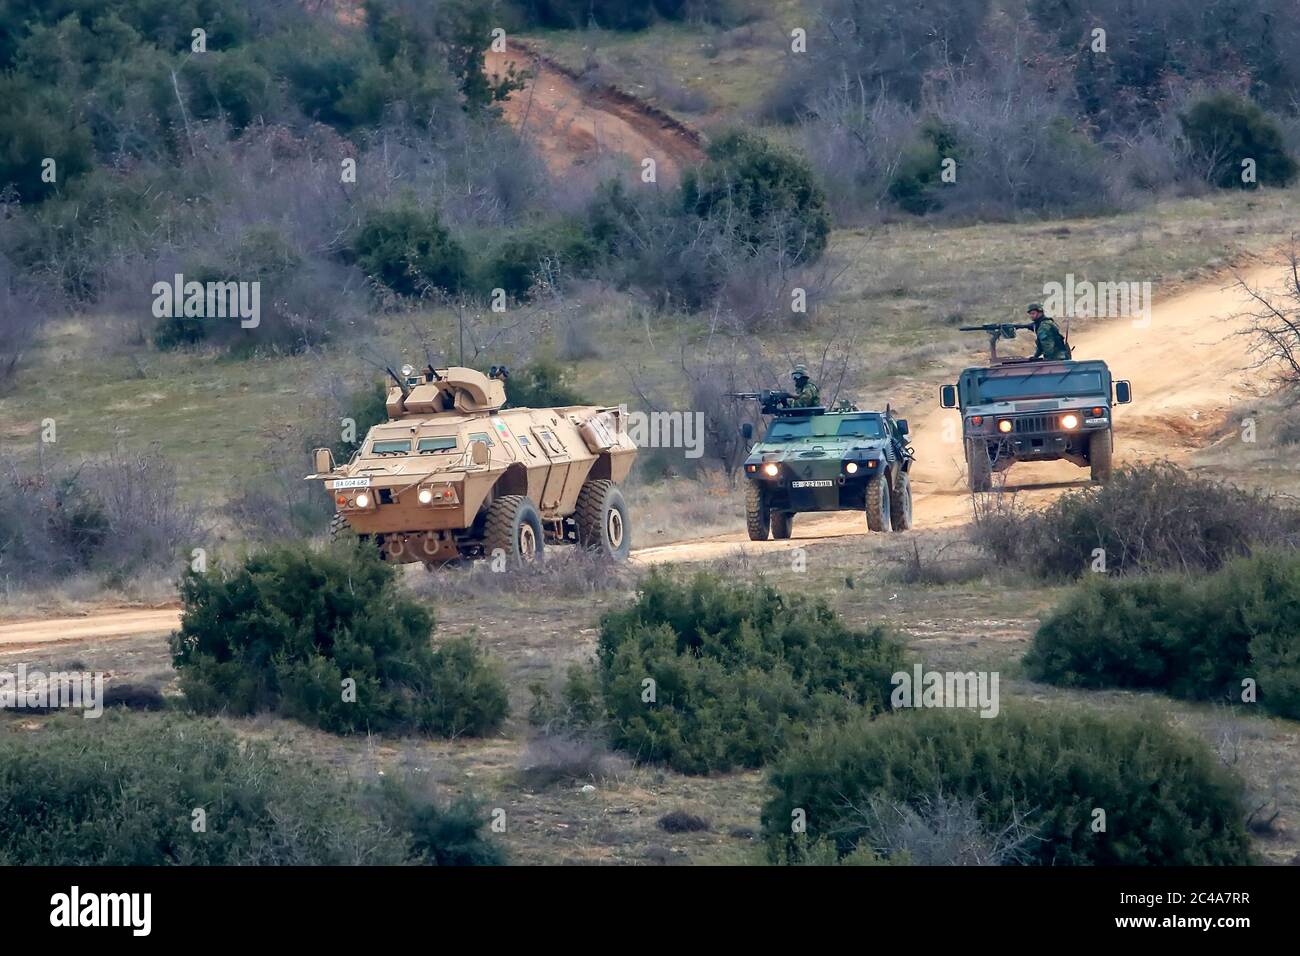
(1100, 447)
(601, 517)
(757, 516)
(900, 504)
(782, 524)
(878, 516)
(514, 527)
(978, 467)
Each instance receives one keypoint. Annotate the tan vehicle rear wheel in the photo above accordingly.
(514, 527)
(601, 517)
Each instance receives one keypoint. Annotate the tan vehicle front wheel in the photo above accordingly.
(601, 517)
(514, 527)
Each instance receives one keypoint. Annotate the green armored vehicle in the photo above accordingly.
(1034, 410)
(815, 459)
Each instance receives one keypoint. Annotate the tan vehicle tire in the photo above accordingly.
(782, 524)
(601, 517)
(1100, 448)
(758, 518)
(878, 518)
(900, 504)
(514, 527)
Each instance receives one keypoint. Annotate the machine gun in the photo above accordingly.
(996, 331)
(771, 400)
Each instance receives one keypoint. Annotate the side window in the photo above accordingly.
(484, 437)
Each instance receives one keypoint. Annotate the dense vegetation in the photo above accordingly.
(327, 638)
(736, 672)
(1036, 777)
(135, 791)
(1199, 637)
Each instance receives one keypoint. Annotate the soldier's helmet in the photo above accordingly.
(799, 372)
(1034, 307)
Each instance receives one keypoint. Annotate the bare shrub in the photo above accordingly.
(566, 572)
(1273, 328)
(939, 830)
(568, 757)
(936, 567)
(1146, 518)
(21, 318)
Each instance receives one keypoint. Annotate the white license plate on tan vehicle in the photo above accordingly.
(351, 483)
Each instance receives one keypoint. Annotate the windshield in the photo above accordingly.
(1067, 384)
(426, 445)
(396, 447)
(825, 426)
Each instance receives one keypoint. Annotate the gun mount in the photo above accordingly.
(996, 332)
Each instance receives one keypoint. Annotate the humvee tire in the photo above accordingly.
(513, 526)
(782, 524)
(877, 491)
(601, 517)
(900, 504)
(1100, 447)
(978, 467)
(757, 518)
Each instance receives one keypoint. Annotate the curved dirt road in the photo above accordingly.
(1187, 368)
(574, 125)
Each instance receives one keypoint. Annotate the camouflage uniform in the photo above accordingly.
(1051, 343)
(807, 394)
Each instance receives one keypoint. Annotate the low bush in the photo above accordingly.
(1166, 798)
(1151, 517)
(285, 629)
(1223, 130)
(1196, 638)
(738, 671)
(124, 790)
(408, 250)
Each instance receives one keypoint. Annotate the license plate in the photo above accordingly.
(816, 483)
(1094, 421)
(352, 483)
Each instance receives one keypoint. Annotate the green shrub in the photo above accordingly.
(766, 195)
(38, 124)
(916, 183)
(283, 631)
(1195, 638)
(123, 790)
(1222, 130)
(409, 250)
(367, 407)
(1151, 517)
(739, 672)
(544, 384)
(517, 259)
(229, 85)
(1167, 799)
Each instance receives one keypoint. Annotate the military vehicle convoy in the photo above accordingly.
(1034, 410)
(815, 459)
(452, 474)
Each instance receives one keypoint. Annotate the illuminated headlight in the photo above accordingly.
(1069, 421)
(1004, 426)
(851, 468)
(425, 495)
(363, 500)
(771, 469)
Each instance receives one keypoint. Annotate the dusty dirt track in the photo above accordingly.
(574, 124)
(1188, 368)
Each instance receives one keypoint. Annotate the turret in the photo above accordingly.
(456, 390)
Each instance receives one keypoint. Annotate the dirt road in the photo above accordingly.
(574, 124)
(1187, 368)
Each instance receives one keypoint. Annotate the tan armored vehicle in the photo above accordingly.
(452, 475)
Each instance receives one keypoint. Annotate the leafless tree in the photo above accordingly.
(1273, 323)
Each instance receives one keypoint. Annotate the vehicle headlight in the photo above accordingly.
(851, 468)
(425, 495)
(1004, 426)
(771, 469)
(1069, 421)
(363, 500)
